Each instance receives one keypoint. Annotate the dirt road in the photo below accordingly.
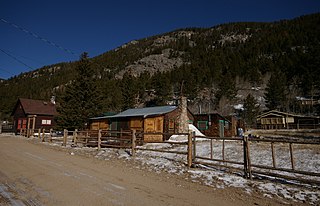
(35, 174)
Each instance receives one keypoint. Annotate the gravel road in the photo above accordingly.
(36, 174)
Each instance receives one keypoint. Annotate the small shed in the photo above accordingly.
(282, 120)
(34, 114)
(161, 119)
(210, 125)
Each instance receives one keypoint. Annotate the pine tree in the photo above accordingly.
(112, 96)
(250, 110)
(276, 91)
(227, 87)
(81, 100)
(161, 84)
(129, 91)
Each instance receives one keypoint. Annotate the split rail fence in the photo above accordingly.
(243, 163)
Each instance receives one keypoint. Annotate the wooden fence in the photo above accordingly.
(132, 140)
(244, 163)
(276, 171)
(6, 128)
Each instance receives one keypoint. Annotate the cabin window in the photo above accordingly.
(202, 125)
(46, 122)
(226, 125)
(22, 124)
(171, 124)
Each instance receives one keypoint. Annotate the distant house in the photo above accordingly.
(281, 120)
(213, 124)
(161, 119)
(33, 114)
(305, 101)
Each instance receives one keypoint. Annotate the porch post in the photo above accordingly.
(33, 124)
(28, 127)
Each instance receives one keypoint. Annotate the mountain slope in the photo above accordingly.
(215, 67)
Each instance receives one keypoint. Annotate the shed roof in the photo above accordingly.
(282, 114)
(37, 107)
(213, 114)
(142, 112)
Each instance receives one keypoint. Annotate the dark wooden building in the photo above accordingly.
(281, 120)
(33, 114)
(211, 125)
(162, 119)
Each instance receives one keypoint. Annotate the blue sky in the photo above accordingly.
(97, 26)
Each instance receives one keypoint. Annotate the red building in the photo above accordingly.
(33, 114)
(210, 125)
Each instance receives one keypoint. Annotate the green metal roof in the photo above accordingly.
(145, 112)
(140, 112)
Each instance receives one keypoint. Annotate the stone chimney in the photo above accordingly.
(183, 117)
(53, 100)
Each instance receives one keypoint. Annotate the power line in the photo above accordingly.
(42, 39)
(16, 59)
(6, 71)
(38, 37)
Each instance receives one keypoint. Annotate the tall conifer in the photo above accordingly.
(276, 91)
(250, 110)
(81, 99)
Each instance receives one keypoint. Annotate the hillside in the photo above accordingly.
(216, 68)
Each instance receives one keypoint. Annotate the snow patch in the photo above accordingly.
(184, 138)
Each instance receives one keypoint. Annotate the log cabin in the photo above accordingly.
(162, 119)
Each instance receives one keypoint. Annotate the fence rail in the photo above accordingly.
(249, 169)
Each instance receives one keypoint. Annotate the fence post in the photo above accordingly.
(189, 157)
(65, 134)
(87, 138)
(248, 157)
(99, 139)
(43, 133)
(194, 147)
(134, 138)
(291, 156)
(245, 159)
(273, 155)
(223, 146)
(75, 133)
(50, 134)
(211, 148)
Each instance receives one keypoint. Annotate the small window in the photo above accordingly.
(202, 125)
(226, 125)
(171, 124)
(46, 122)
